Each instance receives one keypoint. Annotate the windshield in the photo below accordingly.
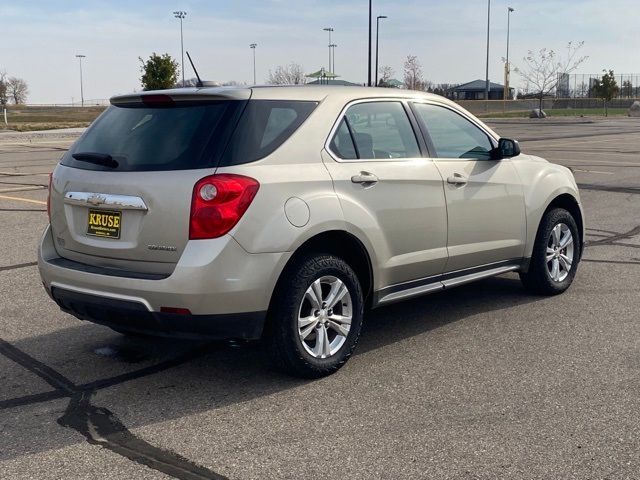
(141, 138)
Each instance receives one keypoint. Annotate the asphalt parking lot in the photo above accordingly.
(480, 382)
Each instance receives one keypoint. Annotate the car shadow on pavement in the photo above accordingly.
(113, 380)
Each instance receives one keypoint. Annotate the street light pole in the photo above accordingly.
(253, 47)
(329, 29)
(80, 57)
(369, 58)
(486, 88)
(333, 68)
(507, 71)
(180, 15)
(378, 43)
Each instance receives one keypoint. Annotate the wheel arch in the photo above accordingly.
(567, 201)
(342, 244)
(570, 204)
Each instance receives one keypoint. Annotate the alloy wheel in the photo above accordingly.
(559, 252)
(324, 317)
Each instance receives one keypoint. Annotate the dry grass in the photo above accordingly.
(23, 118)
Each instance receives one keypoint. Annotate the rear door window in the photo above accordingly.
(380, 130)
(265, 125)
(142, 138)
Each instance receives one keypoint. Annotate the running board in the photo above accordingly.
(440, 282)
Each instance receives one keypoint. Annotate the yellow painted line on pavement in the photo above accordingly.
(22, 189)
(21, 174)
(28, 200)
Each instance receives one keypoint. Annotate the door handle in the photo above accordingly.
(365, 178)
(457, 179)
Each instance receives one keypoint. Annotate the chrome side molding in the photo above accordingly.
(105, 200)
(395, 293)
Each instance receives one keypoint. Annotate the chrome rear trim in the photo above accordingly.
(105, 200)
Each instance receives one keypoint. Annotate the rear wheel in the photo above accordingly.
(556, 254)
(316, 316)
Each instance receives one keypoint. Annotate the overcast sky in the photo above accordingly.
(40, 38)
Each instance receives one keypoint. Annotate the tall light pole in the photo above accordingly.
(378, 42)
(333, 67)
(180, 14)
(80, 57)
(329, 29)
(486, 87)
(369, 57)
(507, 66)
(253, 47)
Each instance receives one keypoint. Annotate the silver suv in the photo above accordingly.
(286, 212)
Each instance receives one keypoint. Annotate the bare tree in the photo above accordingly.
(413, 73)
(17, 90)
(386, 74)
(543, 70)
(292, 74)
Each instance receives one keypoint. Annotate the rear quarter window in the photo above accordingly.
(264, 126)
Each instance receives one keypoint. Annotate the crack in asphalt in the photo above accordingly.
(99, 425)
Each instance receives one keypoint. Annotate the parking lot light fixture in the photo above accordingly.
(507, 67)
(253, 47)
(180, 15)
(329, 29)
(378, 43)
(80, 57)
(486, 88)
(369, 41)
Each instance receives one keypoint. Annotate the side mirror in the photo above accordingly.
(507, 148)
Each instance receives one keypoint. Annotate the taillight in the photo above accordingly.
(49, 197)
(218, 203)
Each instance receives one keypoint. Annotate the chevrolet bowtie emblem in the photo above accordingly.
(96, 200)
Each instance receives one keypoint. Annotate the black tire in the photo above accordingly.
(538, 279)
(282, 336)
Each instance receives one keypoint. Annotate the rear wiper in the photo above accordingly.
(96, 158)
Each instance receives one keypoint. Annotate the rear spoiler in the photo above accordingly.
(182, 95)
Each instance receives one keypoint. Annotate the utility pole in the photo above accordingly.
(369, 58)
(180, 15)
(253, 47)
(486, 88)
(378, 43)
(80, 57)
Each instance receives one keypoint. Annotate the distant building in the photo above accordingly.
(476, 91)
(395, 83)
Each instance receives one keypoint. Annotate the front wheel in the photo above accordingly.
(556, 254)
(316, 316)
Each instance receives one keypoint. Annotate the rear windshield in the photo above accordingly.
(141, 138)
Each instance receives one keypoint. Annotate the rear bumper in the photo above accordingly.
(131, 316)
(226, 289)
